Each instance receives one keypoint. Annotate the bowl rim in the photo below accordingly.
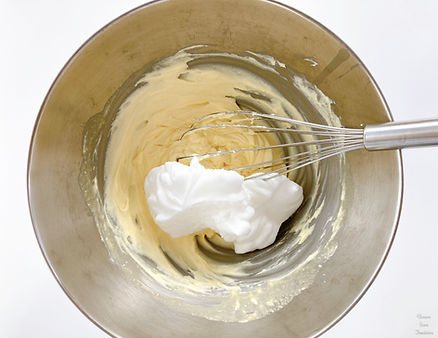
(270, 2)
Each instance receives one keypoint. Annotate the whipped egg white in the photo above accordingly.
(187, 199)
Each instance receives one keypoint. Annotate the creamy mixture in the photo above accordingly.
(146, 134)
(200, 272)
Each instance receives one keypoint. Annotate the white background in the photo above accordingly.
(397, 41)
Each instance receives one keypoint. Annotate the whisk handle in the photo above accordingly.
(397, 135)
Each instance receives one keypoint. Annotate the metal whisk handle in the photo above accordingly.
(397, 135)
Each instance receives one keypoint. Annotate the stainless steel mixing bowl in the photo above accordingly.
(65, 227)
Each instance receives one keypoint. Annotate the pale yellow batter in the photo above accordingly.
(199, 273)
(146, 134)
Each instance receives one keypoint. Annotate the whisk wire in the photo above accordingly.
(328, 141)
(302, 163)
(261, 129)
(284, 145)
(304, 155)
(278, 118)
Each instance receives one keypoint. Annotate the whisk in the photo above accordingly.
(327, 141)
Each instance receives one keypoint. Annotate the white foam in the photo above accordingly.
(186, 199)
